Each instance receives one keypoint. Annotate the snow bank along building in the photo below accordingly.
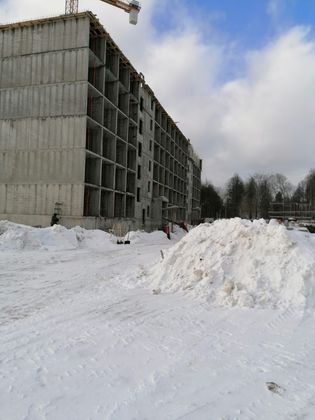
(81, 133)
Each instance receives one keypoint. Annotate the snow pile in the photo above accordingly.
(142, 236)
(241, 263)
(155, 237)
(15, 236)
(97, 240)
(57, 237)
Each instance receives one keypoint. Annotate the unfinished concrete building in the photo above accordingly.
(194, 185)
(82, 134)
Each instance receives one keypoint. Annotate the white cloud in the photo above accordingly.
(274, 8)
(263, 121)
(268, 122)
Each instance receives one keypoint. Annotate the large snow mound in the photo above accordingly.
(14, 236)
(241, 263)
(57, 237)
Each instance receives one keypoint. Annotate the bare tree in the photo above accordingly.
(211, 202)
(234, 196)
(310, 187)
(264, 195)
(250, 198)
(280, 184)
(299, 195)
(265, 198)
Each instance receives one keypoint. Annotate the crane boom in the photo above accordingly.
(127, 7)
(133, 8)
(72, 7)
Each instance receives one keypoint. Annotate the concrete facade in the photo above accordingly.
(81, 133)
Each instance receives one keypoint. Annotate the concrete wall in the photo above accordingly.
(51, 36)
(39, 200)
(42, 133)
(45, 68)
(64, 99)
(43, 102)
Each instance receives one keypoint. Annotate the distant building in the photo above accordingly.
(291, 210)
(83, 135)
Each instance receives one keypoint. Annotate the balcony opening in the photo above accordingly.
(124, 75)
(95, 105)
(122, 126)
(123, 102)
(133, 110)
(121, 152)
(96, 77)
(111, 91)
(93, 138)
(107, 204)
(91, 202)
(134, 87)
(131, 160)
(131, 182)
(130, 206)
(112, 61)
(119, 210)
(109, 146)
(120, 179)
(92, 170)
(97, 45)
(108, 171)
(110, 117)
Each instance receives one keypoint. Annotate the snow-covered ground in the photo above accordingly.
(83, 336)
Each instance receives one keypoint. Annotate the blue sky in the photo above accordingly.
(245, 21)
(247, 24)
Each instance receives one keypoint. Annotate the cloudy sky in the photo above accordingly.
(238, 75)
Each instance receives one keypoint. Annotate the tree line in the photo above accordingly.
(254, 197)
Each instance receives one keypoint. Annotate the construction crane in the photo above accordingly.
(133, 8)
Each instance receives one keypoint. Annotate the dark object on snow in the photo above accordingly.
(310, 228)
(156, 291)
(275, 388)
(54, 219)
(166, 229)
(127, 240)
(183, 226)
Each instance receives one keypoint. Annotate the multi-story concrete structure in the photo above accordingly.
(194, 185)
(81, 131)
